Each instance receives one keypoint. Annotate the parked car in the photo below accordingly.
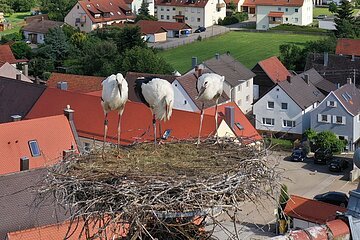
(321, 16)
(298, 155)
(200, 29)
(335, 198)
(322, 156)
(338, 164)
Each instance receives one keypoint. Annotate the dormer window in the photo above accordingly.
(97, 15)
(111, 13)
(119, 13)
(331, 103)
(34, 148)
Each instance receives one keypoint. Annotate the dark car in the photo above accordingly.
(298, 155)
(200, 29)
(335, 198)
(321, 156)
(321, 16)
(338, 164)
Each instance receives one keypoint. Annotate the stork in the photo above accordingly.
(158, 95)
(114, 97)
(210, 88)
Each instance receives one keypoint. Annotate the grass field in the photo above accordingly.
(17, 21)
(325, 11)
(247, 47)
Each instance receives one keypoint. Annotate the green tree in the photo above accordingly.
(328, 140)
(344, 20)
(78, 40)
(22, 5)
(310, 134)
(332, 7)
(232, 6)
(57, 43)
(57, 9)
(5, 8)
(291, 56)
(128, 38)
(140, 59)
(37, 66)
(21, 50)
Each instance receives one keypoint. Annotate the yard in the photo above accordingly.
(17, 21)
(247, 47)
(325, 11)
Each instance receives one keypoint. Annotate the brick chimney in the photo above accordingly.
(69, 113)
(288, 78)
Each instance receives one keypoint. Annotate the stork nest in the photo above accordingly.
(161, 192)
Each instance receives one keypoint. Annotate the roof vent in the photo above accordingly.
(348, 80)
(230, 116)
(18, 76)
(217, 56)
(306, 78)
(193, 62)
(62, 85)
(288, 78)
(16, 118)
(353, 58)
(24, 163)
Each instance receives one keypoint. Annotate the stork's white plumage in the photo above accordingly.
(210, 87)
(158, 94)
(114, 97)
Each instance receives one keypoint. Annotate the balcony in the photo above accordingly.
(220, 5)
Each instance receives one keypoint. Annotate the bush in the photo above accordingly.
(12, 37)
(234, 18)
(46, 75)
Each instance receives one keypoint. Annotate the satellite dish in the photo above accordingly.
(356, 157)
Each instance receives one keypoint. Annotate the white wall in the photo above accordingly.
(76, 12)
(212, 14)
(326, 24)
(244, 97)
(40, 36)
(182, 99)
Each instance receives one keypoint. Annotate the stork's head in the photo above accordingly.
(120, 78)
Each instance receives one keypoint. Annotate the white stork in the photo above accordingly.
(209, 87)
(114, 97)
(158, 95)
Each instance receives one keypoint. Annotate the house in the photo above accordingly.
(204, 13)
(349, 47)
(271, 13)
(172, 29)
(36, 30)
(339, 113)
(327, 23)
(17, 98)
(9, 71)
(238, 84)
(248, 6)
(75, 83)
(20, 204)
(90, 15)
(268, 72)
(185, 92)
(152, 31)
(37, 17)
(308, 212)
(134, 5)
(136, 119)
(28, 144)
(319, 82)
(286, 107)
(6, 55)
(335, 68)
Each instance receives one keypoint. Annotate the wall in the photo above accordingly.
(224, 130)
(212, 14)
(326, 24)
(39, 38)
(180, 96)
(76, 12)
(298, 223)
(245, 91)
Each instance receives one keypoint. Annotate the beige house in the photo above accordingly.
(90, 15)
(196, 13)
(9, 71)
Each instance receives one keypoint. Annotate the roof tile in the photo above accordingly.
(183, 3)
(148, 26)
(289, 3)
(347, 46)
(349, 96)
(275, 70)
(41, 26)
(6, 55)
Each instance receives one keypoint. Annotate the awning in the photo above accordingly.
(276, 14)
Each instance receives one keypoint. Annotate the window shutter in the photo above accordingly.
(319, 117)
(327, 103)
(329, 118)
(344, 120)
(334, 119)
(335, 104)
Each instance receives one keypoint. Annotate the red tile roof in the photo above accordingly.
(236, 2)
(6, 55)
(16, 135)
(348, 46)
(338, 228)
(165, 25)
(275, 70)
(76, 83)
(150, 27)
(184, 3)
(287, 3)
(276, 14)
(249, 133)
(118, 8)
(303, 208)
(136, 120)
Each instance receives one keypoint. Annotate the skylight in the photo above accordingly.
(345, 97)
(239, 126)
(348, 95)
(34, 148)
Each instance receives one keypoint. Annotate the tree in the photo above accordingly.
(57, 42)
(345, 21)
(21, 50)
(232, 6)
(328, 140)
(22, 5)
(6, 8)
(291, 56)
(57, 9)
(332, 7)
(78, 39)
(140, 59)
(37, 66)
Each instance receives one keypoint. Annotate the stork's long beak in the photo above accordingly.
(120, 87)
(202, 90)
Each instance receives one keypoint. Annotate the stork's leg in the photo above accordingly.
(105, 132)
(201, 120)
(154, 124)
(216, 120)
(118, 133)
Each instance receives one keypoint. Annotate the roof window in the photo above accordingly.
(111, 13)
(119, 13)
(239, 126)
(348, 95)
(34, 148)
(345, 97)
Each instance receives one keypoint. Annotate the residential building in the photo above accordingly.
(286, 107)
(249, 7)
(134, 5)
(271, 13)
(9, 71)
(268, 72)
(36, 30)
(37, 17)
(75, 83)
(28, 144)
(335, 68)
(17, 98)
(238, 84)
(6, 55)
(157, 31)
(349, 47)
(90, 15)
(339, 113)
(204, 13)
(319, 82)
(301, 210)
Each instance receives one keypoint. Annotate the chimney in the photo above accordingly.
(68, 153)
(193, 62)
(338, 85)
(306, 78)
(16, 118)
(288, 78)
(348, 80)
(25, 69)
(353, 58)
(69, 113)
(62, 85)
(230, 116)
(326, 58)
(18, 76)
(24, 163)
(217, 56)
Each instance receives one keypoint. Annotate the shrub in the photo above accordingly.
(234, 18)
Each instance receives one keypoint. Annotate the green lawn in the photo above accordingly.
(325, 11)
(17, 21)
(247, 47)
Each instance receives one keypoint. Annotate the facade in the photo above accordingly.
(286, 107)
(88, 16)
(271, 13)
(134, 5)
(202, 13)
(339, 113)
(9, 71)
(36, 30)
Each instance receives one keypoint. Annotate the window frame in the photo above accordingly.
(286, 123)
(33, 154)
(268, 107)
(287, 106)
(272, 121)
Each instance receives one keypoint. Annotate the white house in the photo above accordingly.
(196, 13)
(271, 13)
(134, 5)
(90, 15)
(286, 107)
(36, 30)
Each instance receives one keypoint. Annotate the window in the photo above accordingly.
(192, 19)
(270, 105)
(167, 17)
(186, 18)
(239, 102)
(198, 19)
(284, 106)
(168, 9)
(268, 121)
(173, 9)
(296, 20)
(247, 98)
(288, 123)
(162, 16)
(77, 6)
(247, 84)
(198, 10)
(286, 19)
(239, 88)
(331, 103)
(192, 10)
(324, 118)
(296, 10)
(34, 148)
(279, 8)
(286, 9)
(162, 9)
(359, 118)
(338, 119)
(87, 147)
(185, 102)
(273, 19)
